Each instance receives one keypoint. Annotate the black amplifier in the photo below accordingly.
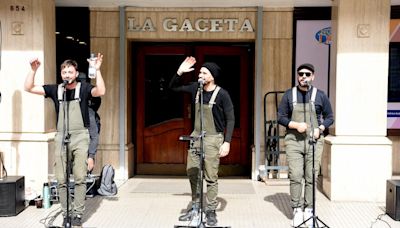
(12, 195)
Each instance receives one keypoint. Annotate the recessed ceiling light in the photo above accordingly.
(69, 37)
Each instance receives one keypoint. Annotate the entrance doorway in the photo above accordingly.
(163, 115)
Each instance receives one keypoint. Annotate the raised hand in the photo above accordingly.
(99, 61)
(186, 65)
(35, 64)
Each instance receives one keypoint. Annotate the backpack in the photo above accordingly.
(107, 184)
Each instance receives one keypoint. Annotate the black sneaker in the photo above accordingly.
(76, 221)
(64, 222)
(211, 217)
(188, 215)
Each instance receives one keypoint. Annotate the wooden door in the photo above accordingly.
(163, 115)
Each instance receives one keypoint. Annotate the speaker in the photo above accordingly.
(12, 195)
(393, 199)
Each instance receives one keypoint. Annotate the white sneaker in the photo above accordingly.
(195, 219)
(297, 217)
(308, 213)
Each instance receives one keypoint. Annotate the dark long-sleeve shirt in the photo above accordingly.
(223, 113)
(322, 107)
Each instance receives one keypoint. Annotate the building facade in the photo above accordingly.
(141, 123)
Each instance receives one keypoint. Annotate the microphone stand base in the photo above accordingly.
(200, 226)
(316, 222)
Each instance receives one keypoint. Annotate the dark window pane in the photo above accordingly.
(394, 73)
(161, 103)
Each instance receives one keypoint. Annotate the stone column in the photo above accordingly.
(357, 158)
(27, 121)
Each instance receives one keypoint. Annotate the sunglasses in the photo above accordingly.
(301, 74)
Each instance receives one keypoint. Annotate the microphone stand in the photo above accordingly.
(202, 156)
(312, 142)
(199, 190)
(66, 141)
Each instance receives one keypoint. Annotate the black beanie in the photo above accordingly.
(214, 69)
(307, 66)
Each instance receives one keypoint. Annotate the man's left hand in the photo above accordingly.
(224, 149)
(90, 164)
(316, 133)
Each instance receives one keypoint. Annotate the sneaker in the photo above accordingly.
(308, 213)
(64, 222)
(76, 221)
(211, 217)
(188, 215)
(297, 217)
(195, 221)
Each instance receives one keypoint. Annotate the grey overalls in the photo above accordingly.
(212, 142)
(299, 152)
(78, 152)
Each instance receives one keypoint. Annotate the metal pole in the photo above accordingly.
(257, 94)
(122, 72)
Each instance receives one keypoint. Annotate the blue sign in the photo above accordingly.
(324, 36)
(393, 113)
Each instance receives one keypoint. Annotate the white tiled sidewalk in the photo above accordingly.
(157, 202)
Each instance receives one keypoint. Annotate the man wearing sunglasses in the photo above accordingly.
(301, 107)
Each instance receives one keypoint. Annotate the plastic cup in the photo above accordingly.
(39, 202)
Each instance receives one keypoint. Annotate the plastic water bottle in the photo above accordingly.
(46, 195)
(92, 66)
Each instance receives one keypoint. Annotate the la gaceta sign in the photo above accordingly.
(188, 25)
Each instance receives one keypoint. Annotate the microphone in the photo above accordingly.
(64, 83)
(308, 83)
(187, 138)
(201, 82)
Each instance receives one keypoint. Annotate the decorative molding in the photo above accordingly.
(17, 28)
(363, 30)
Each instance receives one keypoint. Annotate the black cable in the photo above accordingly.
(380, 218)
(49, 219)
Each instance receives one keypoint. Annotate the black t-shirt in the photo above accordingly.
(85, 95)
(94, 103)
